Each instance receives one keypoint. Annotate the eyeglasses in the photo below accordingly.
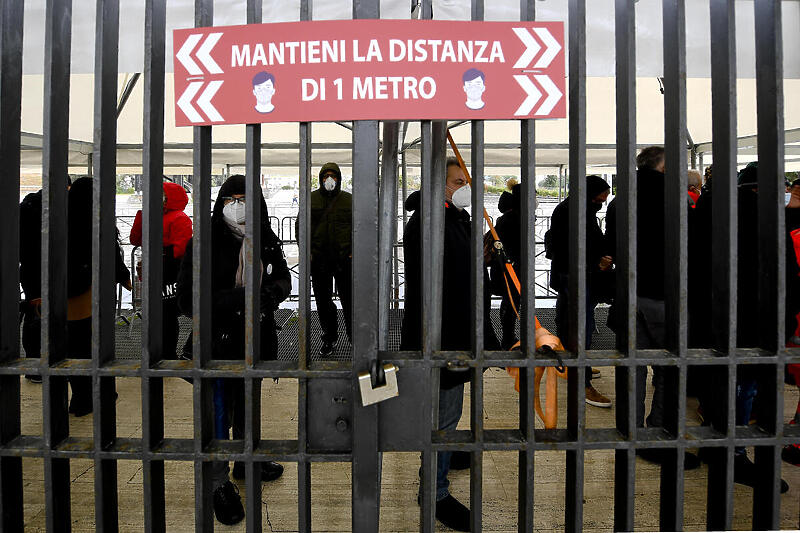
(233, 200)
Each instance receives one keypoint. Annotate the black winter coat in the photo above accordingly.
(30, 245)
(509, 223)
(559, 234)
(649, 233)
(80, 243)
(701, 273)
(227, 300)
(456, 301)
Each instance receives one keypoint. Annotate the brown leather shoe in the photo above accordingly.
(595, 398)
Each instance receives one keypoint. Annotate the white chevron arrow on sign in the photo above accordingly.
(533, 93)
(204, 102)
(553, 94)
(553, 48)
(203, 53)
(185, 102)
(185, 59)
(531, 48)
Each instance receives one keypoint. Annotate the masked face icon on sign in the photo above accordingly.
(264, 90)
(474, 87)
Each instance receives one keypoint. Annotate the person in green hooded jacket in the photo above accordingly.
(331, 253)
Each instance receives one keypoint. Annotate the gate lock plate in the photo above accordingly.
(370, 395)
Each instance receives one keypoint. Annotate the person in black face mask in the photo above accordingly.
(598, 263)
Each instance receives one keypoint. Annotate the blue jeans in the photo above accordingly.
(745, 394)
(451, 402)
(228, 414)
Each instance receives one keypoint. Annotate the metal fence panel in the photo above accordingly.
(374, 267)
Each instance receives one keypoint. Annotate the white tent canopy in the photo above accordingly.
(332, 141)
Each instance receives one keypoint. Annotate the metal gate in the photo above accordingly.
(407, 423)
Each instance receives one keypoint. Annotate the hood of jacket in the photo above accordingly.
(236, 184)
(330, 167)
(177, 199)
(413, 201)
(510, 200)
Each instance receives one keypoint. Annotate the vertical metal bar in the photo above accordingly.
(104, 241)
(527, 307)
(675, 228)
(771, 249)
(477, 316)
(11, 24)
(252, 301)
(404, 165)
(724, 243)
(366, 463)
(201, 301)
(576, 406)
(152, 191)
(152, 344)
(304, 314)
(427, 10)
(430, 325)
(304, 311)
(366, 459)
(388, 228)
(625, 259)
(58, 38)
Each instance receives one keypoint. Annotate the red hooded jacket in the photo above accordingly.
(177, 225)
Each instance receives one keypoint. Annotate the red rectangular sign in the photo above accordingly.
(369, 70)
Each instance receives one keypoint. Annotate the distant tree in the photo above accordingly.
(550, 182)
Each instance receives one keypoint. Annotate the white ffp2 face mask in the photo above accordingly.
(329, 184)
(787, 198)
(234, 212)
(462, 197)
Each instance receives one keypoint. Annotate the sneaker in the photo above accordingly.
(33, 378)
(452, 513)
(658, 455)
(595, 372)
(228, 504)
(326, 348)
(746, 473)
(270, 470)
(460, 460)
(595, 398)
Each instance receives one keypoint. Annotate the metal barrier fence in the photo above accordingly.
(407, 424)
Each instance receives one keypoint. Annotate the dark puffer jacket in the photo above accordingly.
(559, 235)
(649, 233)
(30, 245)
(456, 301)
(331, 223)
(227, 300)
(508, 224)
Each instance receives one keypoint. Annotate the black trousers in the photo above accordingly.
(31, 334)
(322, 276)
(79, 346)
(170, 327)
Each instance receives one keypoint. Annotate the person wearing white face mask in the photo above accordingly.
(228, 264)
(331, 229)
(455, 335)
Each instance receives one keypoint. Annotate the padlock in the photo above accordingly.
(370, 395)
